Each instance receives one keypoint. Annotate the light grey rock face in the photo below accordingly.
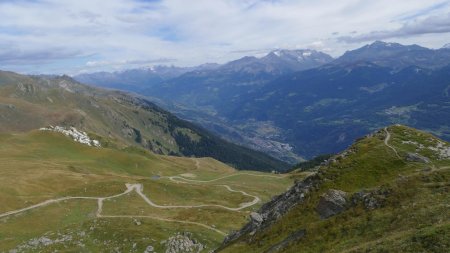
(331, 203)
(72, 132)
(183, 242)
(413, 157)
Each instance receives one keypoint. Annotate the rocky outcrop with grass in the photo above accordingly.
(76, 135)
(276, 208)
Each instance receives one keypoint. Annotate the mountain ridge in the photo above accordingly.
(354, 202)
(118, 117)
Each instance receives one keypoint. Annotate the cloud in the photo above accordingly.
(128, 62)
(430, 25)
(15, 56)
(54, 36)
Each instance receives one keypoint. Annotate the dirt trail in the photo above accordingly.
(197, 163)
(386, 142)
(138, 189)
(180, 179)
(242, 206)
(45, 203)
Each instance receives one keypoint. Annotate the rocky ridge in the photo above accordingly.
(72, 132)
(276, 208)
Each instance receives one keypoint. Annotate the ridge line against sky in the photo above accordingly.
(77, 36)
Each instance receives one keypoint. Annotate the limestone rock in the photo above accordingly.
(256, 217)
(72, 132)
(183, 242)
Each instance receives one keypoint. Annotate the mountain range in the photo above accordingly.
(295, 104)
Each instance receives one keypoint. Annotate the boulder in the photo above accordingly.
(331, 203)
(256, 217)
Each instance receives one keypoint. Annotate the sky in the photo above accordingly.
(81, 36)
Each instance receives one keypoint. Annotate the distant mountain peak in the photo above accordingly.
(380, 43)
(395, 55)
(391, 46)
(295, 52)
(446, 46)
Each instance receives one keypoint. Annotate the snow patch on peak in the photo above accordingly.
(277, 53)
(72, 132)
(306, 53)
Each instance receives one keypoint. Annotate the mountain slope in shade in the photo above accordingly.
(387, 193)
(117, 118)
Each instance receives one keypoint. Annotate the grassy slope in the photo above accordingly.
(28, 103)
(38, 166)
(415, 217)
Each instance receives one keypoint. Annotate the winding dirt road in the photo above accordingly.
(130, 188)
(138, 188)
(242, 206)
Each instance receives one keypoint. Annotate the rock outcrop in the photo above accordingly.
(413, 157)
(183, 242)
(277, 207)
(331, 203)
(371, 199)
(279, 247)
(72, 132)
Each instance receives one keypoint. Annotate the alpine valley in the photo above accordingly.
(295, 104)
(294, 151)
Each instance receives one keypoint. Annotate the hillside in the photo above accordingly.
(387, 193)
(60, 195)
(116, 118)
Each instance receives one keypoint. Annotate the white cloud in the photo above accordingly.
(69, 36)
